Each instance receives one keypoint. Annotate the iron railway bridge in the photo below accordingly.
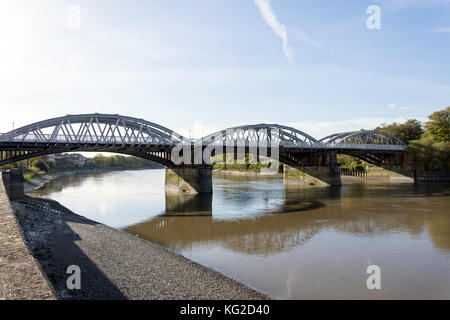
(148, 140)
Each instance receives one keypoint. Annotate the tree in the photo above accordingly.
(42, 165)
(408, 131)
(438, 125)
(99, 161)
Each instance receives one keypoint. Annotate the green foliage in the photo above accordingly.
(117, 161)
(250, 163)
(351, 163)
(438, 125)
(42, 165)
(32, 170)
(51, 164)
(430, 154)
(430, 148)
(408, 131)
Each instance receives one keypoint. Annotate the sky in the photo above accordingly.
(199, 66)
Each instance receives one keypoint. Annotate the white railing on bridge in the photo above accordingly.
(121, 140)
(369, 146)
(48, 138)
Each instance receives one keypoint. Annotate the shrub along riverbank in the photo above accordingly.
(248, 164)
(39, 167)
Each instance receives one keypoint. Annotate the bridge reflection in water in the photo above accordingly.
(290, 243)
(189, 221)
(189, 205)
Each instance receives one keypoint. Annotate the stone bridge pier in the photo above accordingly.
(13, 182)
(313, 170)
(189, 179)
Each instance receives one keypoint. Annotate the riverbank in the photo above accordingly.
(40, 180)
(113, 263)
(20, 274)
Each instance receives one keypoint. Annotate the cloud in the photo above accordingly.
(280, 30)
(305, 38)
(442, 29)
(396, 107)
(316, 129)
(322, 129)
(437, 30)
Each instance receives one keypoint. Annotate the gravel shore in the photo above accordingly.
(113, 263)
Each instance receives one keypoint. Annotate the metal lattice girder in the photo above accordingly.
(260, 134)
(94, 129)
(364, 140)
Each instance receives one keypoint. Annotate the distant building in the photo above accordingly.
(78, 160)
(67, 160)
(49, 157)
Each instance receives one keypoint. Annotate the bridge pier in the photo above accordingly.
(189, 179)
(13, 182)
(322, 171)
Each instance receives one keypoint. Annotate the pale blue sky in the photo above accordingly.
(209, 64)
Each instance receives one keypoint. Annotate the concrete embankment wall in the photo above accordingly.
(393, 176)
(406, 175)
(20, 274)
(433, 176)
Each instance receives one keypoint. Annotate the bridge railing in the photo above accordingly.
(48, 138)
(133, 140)
(369, 146)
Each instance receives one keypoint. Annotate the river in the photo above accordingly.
(290, 244)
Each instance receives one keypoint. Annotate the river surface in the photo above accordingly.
(291, 244)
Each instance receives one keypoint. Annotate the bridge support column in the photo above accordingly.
(189, 179)
(323, 172)
(13, 181)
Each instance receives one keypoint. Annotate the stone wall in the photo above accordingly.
(20, 274)
(13, 183)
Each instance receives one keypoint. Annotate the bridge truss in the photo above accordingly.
(148, 140)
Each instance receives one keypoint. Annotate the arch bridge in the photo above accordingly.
(148, 140)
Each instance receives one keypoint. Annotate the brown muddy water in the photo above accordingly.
(290, 244)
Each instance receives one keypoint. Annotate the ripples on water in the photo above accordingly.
(296, 244)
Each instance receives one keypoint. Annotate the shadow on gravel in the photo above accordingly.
(53, 243)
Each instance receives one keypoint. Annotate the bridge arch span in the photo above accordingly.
(367, 138)
(259, 133)
(90, 133)
(371, 146)
(94, 128)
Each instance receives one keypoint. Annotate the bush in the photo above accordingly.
(42, 165)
